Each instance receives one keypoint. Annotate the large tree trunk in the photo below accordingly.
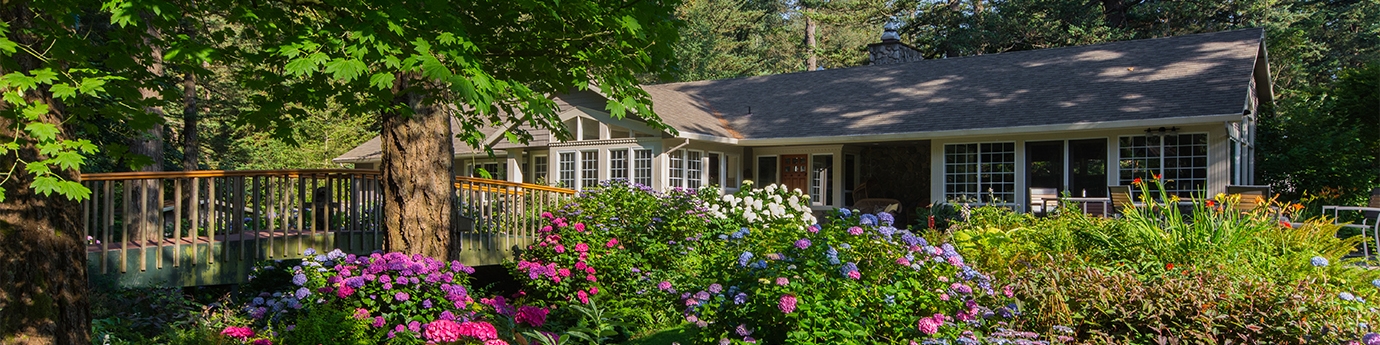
(145, 197)
(811, 63)
(418, 180)
(191, 142)
(43, 285)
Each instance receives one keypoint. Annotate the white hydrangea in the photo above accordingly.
(770, 204)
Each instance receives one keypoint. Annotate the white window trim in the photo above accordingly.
(1207, 175)
(1016, 162)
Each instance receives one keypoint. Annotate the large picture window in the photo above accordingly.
(1180, 160)
(983, 172)
(642, 167)
(821, 180)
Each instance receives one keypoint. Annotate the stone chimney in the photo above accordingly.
(891, 50)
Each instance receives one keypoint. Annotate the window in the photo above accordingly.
(715, 165)
(642, 167)
(495, 170)
(766, 171)
(616, 132)
(1180, 161)
(980, 172)
(850, 178)
(677, 166)
(618, 164)
(731, 172)
(694, 169)
(567, 169)
(589, 169)
(821, 180)
(539, 169)
(589, 129)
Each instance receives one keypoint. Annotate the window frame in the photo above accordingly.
(977, 173)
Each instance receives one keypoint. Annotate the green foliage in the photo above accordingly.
(328, 326)
(1322, 146)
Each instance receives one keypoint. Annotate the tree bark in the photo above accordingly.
(811, 62)
(418, 173)
(148, 144)
(191, 142)
(43, 287)
(1114, 11)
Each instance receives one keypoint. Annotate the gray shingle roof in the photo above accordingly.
(1194, 75)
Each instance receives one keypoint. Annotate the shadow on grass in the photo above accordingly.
(682, 334)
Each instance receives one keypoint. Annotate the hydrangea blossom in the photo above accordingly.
(1319, 261)
(786, 304)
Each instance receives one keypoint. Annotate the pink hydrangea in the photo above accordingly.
(611, 243)
(782, 281)
(531, 316)
(495, 342)
(903, 261)
(582, 247)
(855, 275)
(262, 342)
(594, 290)
(361, 313)
(478, 330)
(579, 227)
(787, 304)
(344, 291)
(928, 325)
(240, 333)
(584, 297)
(581, 265)
(546, 215)
(564, 272)
(1009, 291)
(442, 331)
(855, 231)
(592, 278)
(560, 248)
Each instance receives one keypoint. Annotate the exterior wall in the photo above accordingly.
(732, 177)
(1218, 158)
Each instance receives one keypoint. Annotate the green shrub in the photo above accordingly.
(1188, 305)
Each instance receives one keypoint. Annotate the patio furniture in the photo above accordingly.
(1043, 200)
(1251, 196)
(1119, 196)
(874, 205)
(1370, 221)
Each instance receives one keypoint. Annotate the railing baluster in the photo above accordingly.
(195, 214)
(177, 222)
(109, 225)
(212, 221)
(256, 216)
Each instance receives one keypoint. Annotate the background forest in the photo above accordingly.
(1320, 142)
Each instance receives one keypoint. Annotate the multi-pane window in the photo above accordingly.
(677, 168)
(589, 169)
(642, 167)
(821, 178)
(694, 169)
(980, 172)
(1179, 160)
(567, 169)
(539, 169)
(715, 167)
(618, 164)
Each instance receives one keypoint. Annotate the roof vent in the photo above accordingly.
(889, 34)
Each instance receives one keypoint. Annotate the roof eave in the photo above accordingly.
(867, 138)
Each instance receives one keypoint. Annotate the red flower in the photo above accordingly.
(1212, 203)
(1286, 224)
(1136, 181)
(1169, 266)
(1156, 176)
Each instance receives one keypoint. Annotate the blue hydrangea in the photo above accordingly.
(886, 231)
(723, 237)
(309, 252)
(1375, 283)
(845, 246)
(848, 268)
(948, 250)
(868, 219)
(335, 254)
(743, 258)
(1346, 296)
(845, 213)
(911, 240)
(299, 279)
(889, 300)
(1319, 261)
(760, 264)
(886, 218)
(740, 298)
(302, 293)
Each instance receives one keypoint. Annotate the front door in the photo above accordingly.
(795, 172)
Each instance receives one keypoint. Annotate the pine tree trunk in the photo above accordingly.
(43, 285)
(150, 144)
(418, 174)
(811, 62)
(191, 141)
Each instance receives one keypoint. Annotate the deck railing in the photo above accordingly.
(209, 227)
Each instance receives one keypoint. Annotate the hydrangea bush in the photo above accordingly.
(621, 240)
(391, 298)
(854, 279)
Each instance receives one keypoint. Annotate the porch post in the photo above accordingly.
(514, 162)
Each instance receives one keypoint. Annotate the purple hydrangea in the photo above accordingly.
(802, 243)
(401, 296)
(715, 288)
(299, 279)
(884, 218)
(868, 219)
(743, 258)
(740, 298)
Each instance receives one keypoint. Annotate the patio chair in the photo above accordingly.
(1251, 196)
(1038, 197)
(1121, 197)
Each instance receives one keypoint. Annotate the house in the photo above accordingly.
(984, 129)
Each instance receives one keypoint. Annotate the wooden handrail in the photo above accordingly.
(145, 175)
(476, 180)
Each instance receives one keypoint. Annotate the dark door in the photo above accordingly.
(1045, 164)
(1088, 167)
(795, 172)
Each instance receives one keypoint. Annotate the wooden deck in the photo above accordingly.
(227, 221)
